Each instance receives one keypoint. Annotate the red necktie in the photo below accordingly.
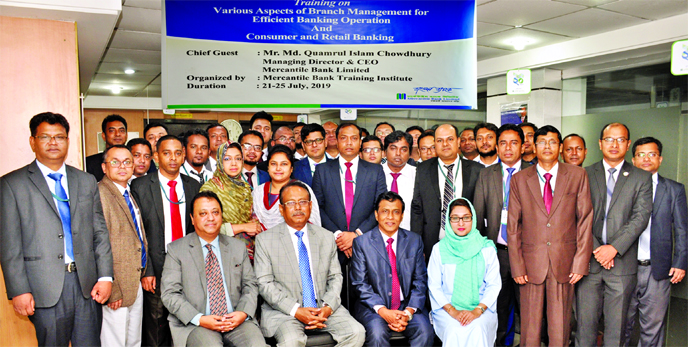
(348, 194)
(547, 195)
(175, 216)
(249, 176)
(396, 291)
(395, 187)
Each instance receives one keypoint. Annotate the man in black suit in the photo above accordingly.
(438, 181)
(656, 269)
(162, 199)
(114, 132)
(313, 138)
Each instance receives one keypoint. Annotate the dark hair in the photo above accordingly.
(293, 183)
(488, 126)
(398, 135)
(575, 135)
(365, 132)
(105, 152)
(50, 118)
(205, 194)
(547, 129)
(434, 127)
(251, 132)
(311, 128)
(424, 135)
(467, 129)
(384, 123)
(113, 118)
(645, 141)
(628, 132)
(510, 127)
(215, 125)
(460, 202)
(139, 141)
(236, 146)
(344, 125)
(526, 124)
(167, 138)
(414, 127)
(154, 125)
(299, 124)
(261, 115)
(281, 149)
(391, 197)
(371, 138)
(274, 133)
(193, 132)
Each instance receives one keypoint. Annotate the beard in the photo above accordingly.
(491, 153)
(250, 163)
(299, 146)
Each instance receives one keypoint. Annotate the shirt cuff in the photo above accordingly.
(105, 279)
(293, 310)
(414, 309)
(196, 320)
(377, 308)
(337, 233)
(227, 229)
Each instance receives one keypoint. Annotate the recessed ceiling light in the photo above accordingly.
(518, 26)
(115, 89)
(519, 43)
(129, 71)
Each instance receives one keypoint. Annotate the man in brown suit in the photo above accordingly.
(123, 313)
(549, 233)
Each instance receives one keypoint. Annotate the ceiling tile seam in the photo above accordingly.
(137, 31)
(555, 17)
(149, 83)
(626, 14)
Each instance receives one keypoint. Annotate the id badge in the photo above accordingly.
(505, 216)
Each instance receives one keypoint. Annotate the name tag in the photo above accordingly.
(505, 216)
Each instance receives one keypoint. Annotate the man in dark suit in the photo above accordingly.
(163, 199)
(656, 268)
(438, 181)
(114, 132)
(54, 245)
(251, 143)
(491, 207)
(574, 150)
(622, 202)
(390, 260)
(313, 140)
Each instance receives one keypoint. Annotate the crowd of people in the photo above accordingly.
(465, 236)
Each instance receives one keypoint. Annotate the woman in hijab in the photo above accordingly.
(464, 281)
(235, 195)
(266, 195)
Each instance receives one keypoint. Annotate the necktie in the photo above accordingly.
(136, 224)
(176, 217)
(395, 188)
(305, 269)
(201, 179)
(506, 198)
(63, 207)
(610, 192)
(216, 289)
(547, 194)
(448, 191)
(396, 290)
(249, 178)
(348, 194)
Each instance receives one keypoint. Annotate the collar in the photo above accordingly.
(354, 161)
(553, 171)
(121, 189)
(516, 166)
(254, 170)
(456, 162)
(292, 231)
(313, 162)
(607, 166)
(46, 170)
(190, 168)
(215, 243)
(394, 236)
(655, 178)
(164, 180)
(404, 170)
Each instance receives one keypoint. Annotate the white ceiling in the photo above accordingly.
(136, 40)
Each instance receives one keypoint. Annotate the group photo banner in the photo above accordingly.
(319, 54)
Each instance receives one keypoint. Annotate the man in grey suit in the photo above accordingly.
(622, 202)
(54, 245)
(208, 284)
(656, 268)
(300, 278)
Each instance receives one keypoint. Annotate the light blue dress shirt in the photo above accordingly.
(216, 249)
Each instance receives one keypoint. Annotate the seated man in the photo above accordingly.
(300, 278)
(206, 262)
(390, 260)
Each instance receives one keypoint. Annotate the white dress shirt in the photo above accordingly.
(215, 245)
(136, 209)
(328, 156)
(505, 175)
(616, 174)
(254, 178)
(552, 182)
(188, 170)
(295, 242)
(479, 159)
(298, 156)
(165, 190)
(458, 183)
(313, 163)
(405, 183)
(644, 240)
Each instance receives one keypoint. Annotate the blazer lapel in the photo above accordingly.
(39, 181)
(227, 263)
(498, 183)
(534, 185)
(620, 181)
(288, 247)
(561, 182)
(336, 180)
(73, 183)
(197, 256)
(157, 197)
(434, 179)
(119, 198)
(659, 195)
(405, 281)
(379, 245)
(361, 177)
(600, 182)
(313, 242)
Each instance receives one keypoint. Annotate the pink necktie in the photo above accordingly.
(395, 188)
(547, 195)
(348, 194)
(396, 291)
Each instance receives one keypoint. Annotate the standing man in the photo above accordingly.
(491, 209)
(468, 148)
(529, 130)
(262, 123)
(426, 146)
(153, 132)
(415, 132)
(656, 269)
(486, 142)
(550, 239)
(313, 139)
(208, 285)
(383, 129)
(282, 136)
(217, 135)
(196, 145)
(400, 176)
(331, 150)
(54, 245)
(438, 181)
(122, 316)
(622, 204)
(371, 149)
(574, 150)
(163, 199)
(299, 278)
(142, 153)
(299, 151)
(114, 129)
(389, 277)
(251, 143)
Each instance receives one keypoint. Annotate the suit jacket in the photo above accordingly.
(371, 273)
(489, 200)
(146, 191)
(629, 213)
(125, 243)
(669, 210)
(426, 207)
(94, 165)
(184, 287)
(31, 235)
(327, 186)
(561, 238)
(302, 171)
(279, 278)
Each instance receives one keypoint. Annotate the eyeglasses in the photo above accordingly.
(117, 163)
(456, 219)
(551, 143)
(292, 204)
(248, 147)
(316, 141)
(425, 149)
(382, 133)
(47, 138)
(649, 155)
(286, 139)
(371, 149)
(620, 140)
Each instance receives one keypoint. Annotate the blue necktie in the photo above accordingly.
(63, 207)
(136, 224)
(306, 279)
(506, 198)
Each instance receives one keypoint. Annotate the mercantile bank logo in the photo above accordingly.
(518, 79)
(401, 96)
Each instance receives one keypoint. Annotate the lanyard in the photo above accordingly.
(243, 175)
(58, 198)
(504, 188)
(342, 172)
(456, 173)
(168, 199)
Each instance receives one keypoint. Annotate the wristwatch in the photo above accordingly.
(482, 310)
(408, 314)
